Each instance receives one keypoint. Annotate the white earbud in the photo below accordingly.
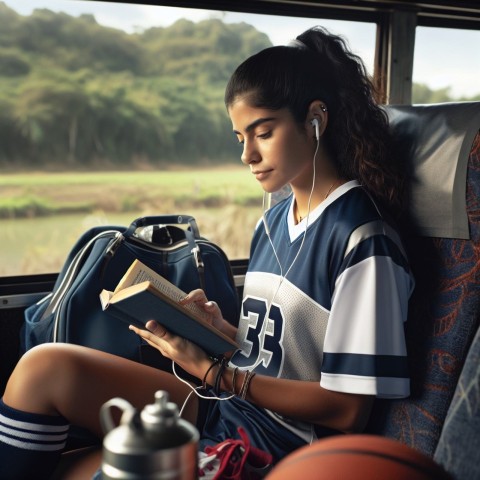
(316, 125)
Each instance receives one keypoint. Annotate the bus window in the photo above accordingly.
(110, 112)
(446, 65)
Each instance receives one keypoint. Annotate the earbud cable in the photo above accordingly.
(307, 221)
(194, 390)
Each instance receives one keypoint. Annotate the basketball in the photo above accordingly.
(357, 457)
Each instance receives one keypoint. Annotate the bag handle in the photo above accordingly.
(191, 236)
(164, 219)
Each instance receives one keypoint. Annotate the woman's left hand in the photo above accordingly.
(183, 352)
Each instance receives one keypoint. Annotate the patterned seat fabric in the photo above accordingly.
(457, 448)
(443, 319)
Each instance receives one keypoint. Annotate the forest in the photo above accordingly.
(78, 95)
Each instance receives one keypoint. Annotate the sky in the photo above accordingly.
(443, 58)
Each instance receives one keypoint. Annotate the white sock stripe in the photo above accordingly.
(32, 435)
(32, 446)
(33, 426)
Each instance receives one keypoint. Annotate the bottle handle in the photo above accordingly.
(106, 420)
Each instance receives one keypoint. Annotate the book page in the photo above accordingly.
(105, 297)
(138, 273)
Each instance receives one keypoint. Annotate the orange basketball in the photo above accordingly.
(357, 457)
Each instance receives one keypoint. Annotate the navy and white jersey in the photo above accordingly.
(338, 315)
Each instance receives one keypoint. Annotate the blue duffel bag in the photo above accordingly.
(72, 312)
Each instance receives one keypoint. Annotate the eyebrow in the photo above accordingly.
(255, 124)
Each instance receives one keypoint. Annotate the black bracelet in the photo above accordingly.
(218, 377)
(204, 381)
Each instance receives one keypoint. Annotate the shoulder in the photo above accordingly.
(353, 204)
(359, 224)
(349, 208)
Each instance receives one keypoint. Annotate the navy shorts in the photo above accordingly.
(219, 419)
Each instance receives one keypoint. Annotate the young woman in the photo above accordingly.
(326, 293)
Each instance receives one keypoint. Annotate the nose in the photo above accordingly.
(249, 153)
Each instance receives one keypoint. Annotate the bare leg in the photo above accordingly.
(79, 464)
(73, 381)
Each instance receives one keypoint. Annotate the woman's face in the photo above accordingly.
(276, 148)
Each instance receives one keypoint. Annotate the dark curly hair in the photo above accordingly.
(320, 66)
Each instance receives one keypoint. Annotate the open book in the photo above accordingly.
(142, 295)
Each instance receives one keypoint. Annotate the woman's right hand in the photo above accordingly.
(211, 308)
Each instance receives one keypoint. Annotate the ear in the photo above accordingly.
(317, 110)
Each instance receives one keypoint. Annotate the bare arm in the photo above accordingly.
(297, 399)
(302, 400)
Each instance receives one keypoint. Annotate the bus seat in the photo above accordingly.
(457, 449)
(444, 249)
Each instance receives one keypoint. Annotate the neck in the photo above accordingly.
(302, 207)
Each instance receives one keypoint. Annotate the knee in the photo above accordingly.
(39, 370)
(45, 360)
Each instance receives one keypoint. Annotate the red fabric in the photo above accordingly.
(239, 460)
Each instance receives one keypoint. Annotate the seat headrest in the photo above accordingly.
(435, 141)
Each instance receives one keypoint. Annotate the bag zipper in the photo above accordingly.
(71, 274)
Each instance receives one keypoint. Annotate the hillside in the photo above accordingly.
(75, 93)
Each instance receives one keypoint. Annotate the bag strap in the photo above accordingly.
(72, 272)
(199, 265)
(164, 219)
(222, 254)
(196, 254)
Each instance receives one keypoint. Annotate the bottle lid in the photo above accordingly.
(161, 412)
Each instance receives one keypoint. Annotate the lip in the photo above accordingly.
(261, 174)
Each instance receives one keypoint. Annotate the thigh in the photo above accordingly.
(75, 381)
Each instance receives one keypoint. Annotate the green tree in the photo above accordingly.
(13, 63)
(125, 128)
(77, 93)
(50, 112)
(421, 93)
(13, 147)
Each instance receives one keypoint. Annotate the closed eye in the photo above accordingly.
(265, 135)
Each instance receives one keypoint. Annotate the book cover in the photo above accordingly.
(155, 298)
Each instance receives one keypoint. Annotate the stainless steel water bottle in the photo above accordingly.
(152, 444)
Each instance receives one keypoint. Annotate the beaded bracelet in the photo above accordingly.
(234, 378)
(246, 383)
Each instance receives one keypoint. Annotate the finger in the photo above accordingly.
(211, 305)
(197, 296)
(213, 309)
(157, 347)
(154, 341)
(158, 335)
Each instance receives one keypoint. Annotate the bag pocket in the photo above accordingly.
(36, 329)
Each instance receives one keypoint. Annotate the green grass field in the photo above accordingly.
(42, 194)
(43, 214)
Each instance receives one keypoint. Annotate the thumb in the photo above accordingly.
(155, 328)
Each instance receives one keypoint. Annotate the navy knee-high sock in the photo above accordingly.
(30, 444)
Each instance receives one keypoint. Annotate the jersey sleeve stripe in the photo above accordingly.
(365, 365)
(367, 230)
(382, 387)
(377, 245)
